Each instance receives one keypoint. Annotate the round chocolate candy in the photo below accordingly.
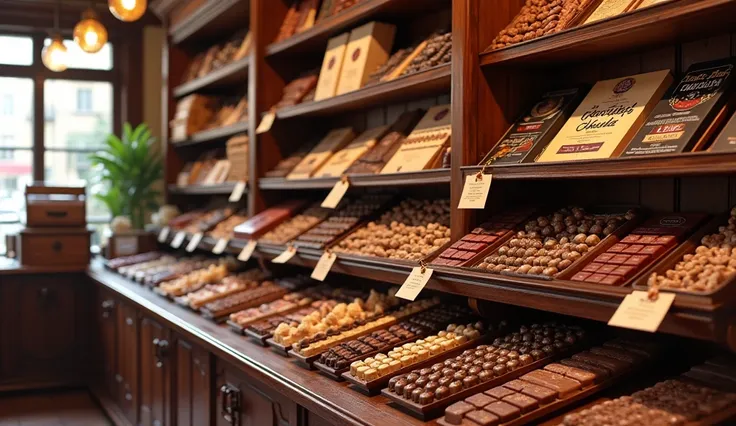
(513, 364)
(415, 394)
(448, 372)
(392, 383)
(512, 355)
(448, 362)
(501, 360)
(425, 372)
(526, 359)
(503, 352)
(435, 376)
(470, 381)
(431, 386)
(549, 350)
(445, 381)
(426, 398)
(456, 365)
(490, 357)
(475, 370)
(437, 367)
(479, 361)
(479, 353)
(412, 377)
(468, 360)
(422, 381)
(459, 375)
(399, 386)
(408, 389)
(500, 370)
(488, 365)
(485, 375)
(442, 392)
(456, 387)
(537, 354)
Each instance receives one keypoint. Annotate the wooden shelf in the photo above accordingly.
(214, 134)
(212, 21)
(689, 164)
(315, 38)
(221, 189)
(229, 75)
(424, 177)
(423, 84)
(673, 21)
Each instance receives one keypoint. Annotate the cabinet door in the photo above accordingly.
(127, 361)
(107, 341)
(240, 403)
(155, 378)
(193, 400)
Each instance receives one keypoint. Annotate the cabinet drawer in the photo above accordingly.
(55, 214)
(54, 248)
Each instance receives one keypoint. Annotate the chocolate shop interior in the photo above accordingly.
(368, 212)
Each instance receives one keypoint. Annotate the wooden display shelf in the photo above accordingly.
(669, 22)
(689, 164)
(212, 21)
(229, 75)
(414, 86)
(315, 38)
(212, 135)
(424, 177)
(221, 189)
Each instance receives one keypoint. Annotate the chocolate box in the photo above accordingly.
(338, 163)
(680, 119)
(425, 143)
(266, 220)
(726, 141)
(368, 48)
(334, 141)
(331, 67)
(526, 138)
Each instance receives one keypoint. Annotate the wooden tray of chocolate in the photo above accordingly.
(235, 327)
(725, 292)
(278, 347)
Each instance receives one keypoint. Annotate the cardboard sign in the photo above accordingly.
(220, 246)
(475, 191)
(338, 191)
(266, 123)
(178, 239)
(247, 251)
(126, 246)
(414, 283)
(237, 193)
(194, 242)
(323, 266)
(163, 234)
(638, 312)
(285, 256)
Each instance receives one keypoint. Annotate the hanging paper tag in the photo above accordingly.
(266, 123)
(475, 191)
(194, 242)
(334, 197)
(639, 312)
(285, 256)
(414, 283)
(220, 246)
(237, 193)
(178, 239)
(247, 251)
(324, 265)
(163, 234)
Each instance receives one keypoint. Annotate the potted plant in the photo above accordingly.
(126, 172)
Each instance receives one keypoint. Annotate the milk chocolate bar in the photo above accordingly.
(285, 166)
(267, 220)
(679, 120)
(267, 292)
(297, 89)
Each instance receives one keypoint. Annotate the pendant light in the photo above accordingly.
(127, 10)
(54, 56)
(89, 33)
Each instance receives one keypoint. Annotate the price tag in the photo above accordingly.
(266, 123)
(178, 239)
(163, 234)
(285, 256)
(220, 246)
(475, 191)
(640, 312)
(237, 193)
(324, 265)
(125, 246)
(194, 242)
(338, 191)
(414, 283)
(247, 251)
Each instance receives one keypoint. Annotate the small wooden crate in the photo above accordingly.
(55, 206)
(68, 247)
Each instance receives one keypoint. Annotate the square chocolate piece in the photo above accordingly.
(525, 403)
(580, 276)
(604, 257)
(623, 271)
(503, 410)
(637, 260)
(455, 412)
(612, 280)
(595, 278)
(618, 248)
(483, 418)
(632, 238)
(619, 259)
(479, 400)
(633, 249)
(593, 267)
(606, 269)
(501, 391)
(653, 250)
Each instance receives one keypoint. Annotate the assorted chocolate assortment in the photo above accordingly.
(266, 327)
(287, 303)
(483, 236)
(225, 228)
(218, 56)
(228, 285)
(437, 51)
(296, 90)
(193, 280)
(267, 291)
(551, 244)
(712, 265)
(411, 230)
(296, 226)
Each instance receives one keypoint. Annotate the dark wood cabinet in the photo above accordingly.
(127, 361)
(156, 354)
(106, 340)
(192, 385)
(241, 403)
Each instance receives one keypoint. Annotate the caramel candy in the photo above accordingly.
(559, 383)
(454, 413)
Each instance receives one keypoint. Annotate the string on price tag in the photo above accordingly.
(338, 191)
(286, 255)
(324, 265)
(163, 234)
(194, 242)
(247, 251)
(415, 282)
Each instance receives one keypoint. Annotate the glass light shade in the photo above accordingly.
(54, 56)
(127, 10)
(89, 33)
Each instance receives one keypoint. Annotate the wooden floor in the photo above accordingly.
(57, 408)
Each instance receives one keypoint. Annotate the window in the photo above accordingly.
(77, 117)
(84, 100)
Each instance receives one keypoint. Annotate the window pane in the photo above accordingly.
(16, 112)
(15, 174)
(78, 58)
(78, 113)
(16, 50)
(74, 168)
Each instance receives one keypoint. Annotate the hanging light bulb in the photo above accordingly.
(54, 55)
(127, 10)
(89, 33)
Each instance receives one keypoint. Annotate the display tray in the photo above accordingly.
(722, 294)
(235, 327)
(258, 338)
(374, 386)
(223, 315)
(278, 348)
(435, 409)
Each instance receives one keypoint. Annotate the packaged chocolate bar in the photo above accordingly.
(267, 219)
(374, 160)
(680, 119)
(526, 138)
(726, 141)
